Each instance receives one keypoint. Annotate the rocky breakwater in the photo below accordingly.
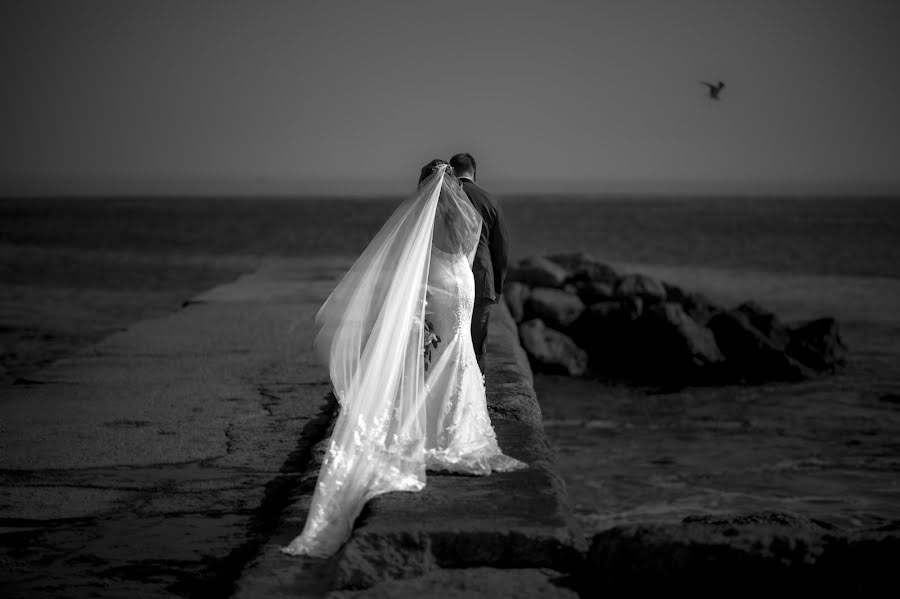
(578, 315)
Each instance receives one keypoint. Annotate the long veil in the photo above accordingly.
(371, 335)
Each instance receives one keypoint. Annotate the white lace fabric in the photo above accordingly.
(458, 435)
(396, 420)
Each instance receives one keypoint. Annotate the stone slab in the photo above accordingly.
(516, 520)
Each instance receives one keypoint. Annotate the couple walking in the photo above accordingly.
(404, 335)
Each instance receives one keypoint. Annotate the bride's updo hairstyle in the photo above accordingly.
(447, 236)
(431, 167)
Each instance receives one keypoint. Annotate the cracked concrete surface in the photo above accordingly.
(151, 463)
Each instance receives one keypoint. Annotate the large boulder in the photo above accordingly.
(597, 272)
(604, 317)
(515, 294)
(585, 267)
(572, 261)
(551, 351)
(642, 286)
(674, 293)
(751, 355)
(699, 307)
(817, 344)
(537, 271)
(766, 322)
(556, 308)
(674, 346)
(591, 292)
(607, 331)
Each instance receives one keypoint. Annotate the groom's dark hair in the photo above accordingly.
(464, 162)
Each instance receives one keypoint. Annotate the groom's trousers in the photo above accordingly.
(481, 313)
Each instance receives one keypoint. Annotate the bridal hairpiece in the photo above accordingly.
(448, 169)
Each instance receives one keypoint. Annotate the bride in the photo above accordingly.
(396, 335)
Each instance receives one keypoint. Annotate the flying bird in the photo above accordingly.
(714, 89)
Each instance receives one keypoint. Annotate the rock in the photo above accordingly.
(765, 322)
(601, 311)
(598, 323)
(591, 292)
(610, 314)
(674, 293)
(750, 354)
(551, 350)
(661, 342)
(699, 307)
(572, 261)
(818, 345)
(749, 555)
(632, 307)
(607, 331)
(555, 307)
(585, 267)
(537, 271)
(638, 326)
(515, 294)
(675, 346)
(642, 286)
(598, 273)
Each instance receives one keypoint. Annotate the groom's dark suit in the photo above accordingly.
(489, 266)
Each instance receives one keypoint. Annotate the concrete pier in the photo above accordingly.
(479, 536)
(152, 463)
(175, 457)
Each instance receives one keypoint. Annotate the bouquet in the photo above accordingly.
(431, 342)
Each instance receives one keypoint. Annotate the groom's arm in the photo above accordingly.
(499, 250)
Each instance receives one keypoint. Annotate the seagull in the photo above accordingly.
(714, 89)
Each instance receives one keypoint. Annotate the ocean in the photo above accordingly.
(73, 271)
(842, 236)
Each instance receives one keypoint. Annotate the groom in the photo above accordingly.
(489, 266)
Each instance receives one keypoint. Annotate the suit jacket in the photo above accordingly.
(489, 266)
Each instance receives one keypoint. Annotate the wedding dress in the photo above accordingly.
(459, 436)
(400, 411)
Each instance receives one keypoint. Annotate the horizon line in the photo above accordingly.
(83, 187)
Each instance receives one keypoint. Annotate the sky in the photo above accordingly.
(163, 96)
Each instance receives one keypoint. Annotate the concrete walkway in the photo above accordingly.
(176, 457)
(155, 462)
